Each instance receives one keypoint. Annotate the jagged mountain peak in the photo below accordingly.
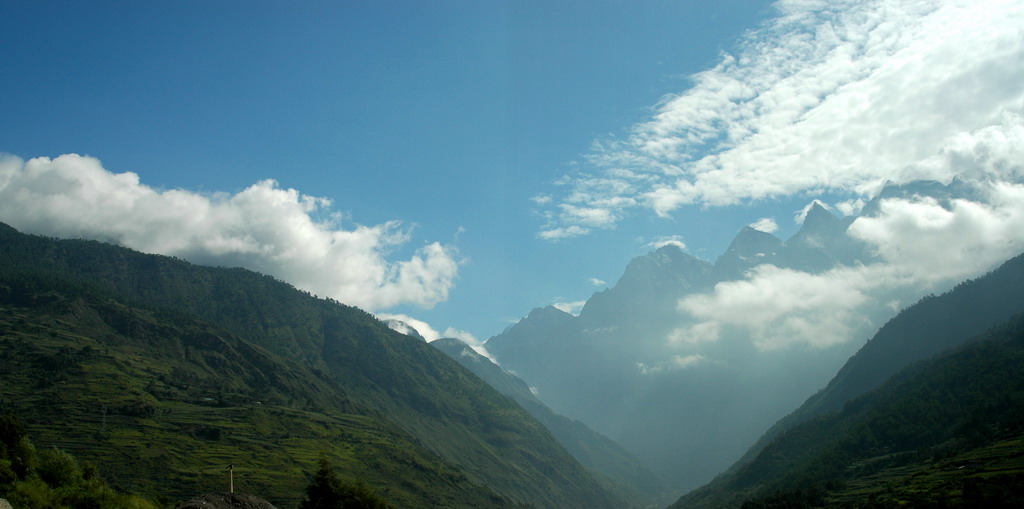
(652, 281)
(752, 241)
(547, 313)
(540, 318)
(750, 248)
(821, 243)
(819, 219)
(669, 254)
(919, 188)
(668, 261)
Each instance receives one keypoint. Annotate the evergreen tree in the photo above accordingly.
(328, 491)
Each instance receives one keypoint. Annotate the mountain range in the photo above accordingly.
(162, 373)
(632, 364)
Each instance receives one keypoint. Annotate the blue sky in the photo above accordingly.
(464, 162)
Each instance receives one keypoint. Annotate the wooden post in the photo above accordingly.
(231, 478)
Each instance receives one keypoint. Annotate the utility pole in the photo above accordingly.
(231, 478)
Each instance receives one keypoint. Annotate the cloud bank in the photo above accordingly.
(837, 96)
(922, 245)
(280, 232)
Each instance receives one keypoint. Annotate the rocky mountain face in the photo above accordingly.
(687, 408)
(612, 368)
(819, 245)
(749, 249)
(224, 500)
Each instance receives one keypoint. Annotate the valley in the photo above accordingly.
(162, 371)
(666, 254)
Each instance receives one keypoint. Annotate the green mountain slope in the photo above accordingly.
(164, 403)
(929, 327)
(398, 412)
(944, 432)
(597, 452)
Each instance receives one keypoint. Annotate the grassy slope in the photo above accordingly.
(987, 476)
(164, 407)
(390, 376)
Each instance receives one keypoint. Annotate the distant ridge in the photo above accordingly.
(929, 327)
(990, 307)
(944, 432)
(595, 451)
(655, 364)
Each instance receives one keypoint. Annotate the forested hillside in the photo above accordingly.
(166, 372)
(930, 326)
(946, 432)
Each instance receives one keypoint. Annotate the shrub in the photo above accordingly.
(58, 468)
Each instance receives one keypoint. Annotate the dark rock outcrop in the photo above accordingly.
(224, 500)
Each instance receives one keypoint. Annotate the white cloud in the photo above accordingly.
(668, 240)
(573, 308)
(922, 246)
(422, 328)
(265, 228)
(541, 199)
(828, 96)
(850, 207)
(930, 243)
(470, 340)
(597, 282)
(765, 224)
(430, 334)
(836, 98)
(676, 363)
(778, 308)
(563, 233)
(800, 215)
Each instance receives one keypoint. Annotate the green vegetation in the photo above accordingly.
(948, 432)
(167, 405)
(52, 478)
(932, 325)
(929, 327)
(328, 491)
(167, 372)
